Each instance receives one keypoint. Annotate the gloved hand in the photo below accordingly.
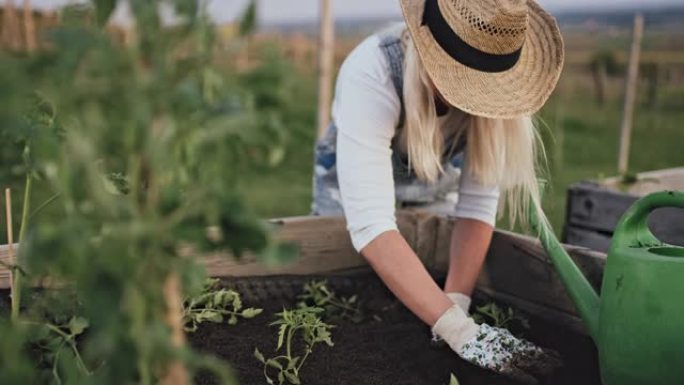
(463, 301)
(494, 348)
(460, 299)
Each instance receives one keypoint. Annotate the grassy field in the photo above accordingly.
(584, 137)
(581, 141)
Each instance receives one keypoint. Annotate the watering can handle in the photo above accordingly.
(632, 230)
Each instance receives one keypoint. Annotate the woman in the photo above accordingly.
(422, 110)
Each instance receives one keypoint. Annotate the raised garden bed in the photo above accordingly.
(595, 207)
(390, 345)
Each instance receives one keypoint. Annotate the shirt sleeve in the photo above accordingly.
(366, 111)
(476, 200)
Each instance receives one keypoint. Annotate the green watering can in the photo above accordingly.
(638, 323)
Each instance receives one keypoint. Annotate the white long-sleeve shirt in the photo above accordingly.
(366, 111)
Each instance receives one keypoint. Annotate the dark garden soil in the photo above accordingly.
(389, 347)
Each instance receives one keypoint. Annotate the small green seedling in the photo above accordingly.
(304, 322)
(214, 305)
(497, 316)
(57, 343)
(317, 293)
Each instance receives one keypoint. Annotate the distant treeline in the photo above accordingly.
(670, 16)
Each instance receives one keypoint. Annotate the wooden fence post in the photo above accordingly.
(11, 33)
(600, 81)
(630, 94)
(29, 27)
(325, 65)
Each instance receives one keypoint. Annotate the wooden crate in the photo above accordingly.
(517, 270)
(594, 208)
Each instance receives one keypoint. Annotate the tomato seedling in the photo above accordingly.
(305, 323)
(214, 304)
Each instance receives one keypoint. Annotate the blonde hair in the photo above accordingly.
(502, 152)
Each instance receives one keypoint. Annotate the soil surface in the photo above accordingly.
(389, 347)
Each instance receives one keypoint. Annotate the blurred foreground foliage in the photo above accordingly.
(128, 155)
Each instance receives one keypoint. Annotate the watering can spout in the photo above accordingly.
(581, 292)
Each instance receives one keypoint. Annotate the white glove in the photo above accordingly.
(494, 348)
(460, 299)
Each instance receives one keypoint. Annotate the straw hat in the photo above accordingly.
(491, 58)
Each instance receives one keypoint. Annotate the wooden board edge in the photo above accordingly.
(331, 251)
(566, 320)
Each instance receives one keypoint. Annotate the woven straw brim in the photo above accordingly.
(519, 91)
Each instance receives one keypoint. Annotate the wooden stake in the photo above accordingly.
(177, 373)
(11, 26)
(325, 65)
(29, 27)
(600, 81)
(10, 243)
(630, 95)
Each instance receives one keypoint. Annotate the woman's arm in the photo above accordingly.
(472, 233)
(470, 240)
(404, 274)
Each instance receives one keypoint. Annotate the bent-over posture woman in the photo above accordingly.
(436, 113)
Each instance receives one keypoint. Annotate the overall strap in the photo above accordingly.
(392, 47)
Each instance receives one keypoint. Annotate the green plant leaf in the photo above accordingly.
(104, 9)
(249, 19)
(237, 303)
(281, 335)
(211, 316)
(274, 364)
(77, 325)
(293, 363)
(259, 356)
(453, 380)
(251, 312)
(292, 378)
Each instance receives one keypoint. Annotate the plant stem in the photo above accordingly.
(289, 342)
(71, 341)
(16, 296)
(27, 206)
(301, 363)
(55, 373)
(10, 246)
(342, 305)
(43, 205)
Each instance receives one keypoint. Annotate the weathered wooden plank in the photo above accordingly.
(595, 208)
(591, 239)
(4, 264)
(648, 182)
(516, 270)
(556, 317)
(323, 242)
(427, 231)
(518, 266)
(325, 246)
(592, 206)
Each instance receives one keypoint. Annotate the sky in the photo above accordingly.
(295, 10)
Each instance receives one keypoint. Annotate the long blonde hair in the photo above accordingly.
(504, 152)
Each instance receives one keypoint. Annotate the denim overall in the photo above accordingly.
(439, 197)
